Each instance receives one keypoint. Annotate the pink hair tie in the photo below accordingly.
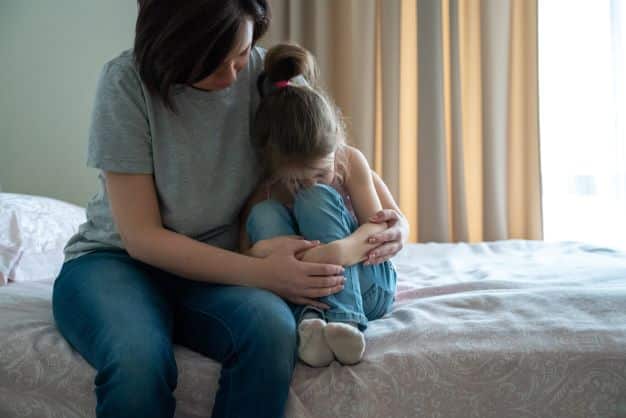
(281, 84)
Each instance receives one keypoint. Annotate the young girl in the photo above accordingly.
(318, 187)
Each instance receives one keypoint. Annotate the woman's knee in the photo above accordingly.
(269, 219)
(95, 294)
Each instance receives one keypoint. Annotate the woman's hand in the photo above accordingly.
(391, 240)
(294, 280)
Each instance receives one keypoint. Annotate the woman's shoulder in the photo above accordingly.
(121, 69)
(258, 54)
(257, 58)
(119, 79)
(124, 60)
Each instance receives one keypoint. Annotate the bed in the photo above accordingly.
(499, 329)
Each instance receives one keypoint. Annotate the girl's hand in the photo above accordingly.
(391, 240)
(294, 280)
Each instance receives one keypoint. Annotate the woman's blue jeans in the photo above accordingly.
(123, 316)
(319, 213)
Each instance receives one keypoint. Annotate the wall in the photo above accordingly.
(51, 53)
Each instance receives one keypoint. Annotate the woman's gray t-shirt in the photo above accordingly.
(201, 157)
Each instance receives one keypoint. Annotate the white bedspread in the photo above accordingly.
(506, 329)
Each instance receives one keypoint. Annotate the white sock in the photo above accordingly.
(313, 349)
(345, 341)
(311, 314)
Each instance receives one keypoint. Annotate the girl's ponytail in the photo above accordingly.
(286, 61)
(295, 123)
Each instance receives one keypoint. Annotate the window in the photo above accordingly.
(582, 102)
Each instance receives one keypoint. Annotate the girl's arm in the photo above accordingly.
(390, 241)
(361, 188)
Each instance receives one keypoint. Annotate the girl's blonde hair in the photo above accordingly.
(298, 123)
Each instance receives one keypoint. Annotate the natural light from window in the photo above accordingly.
(582, 101)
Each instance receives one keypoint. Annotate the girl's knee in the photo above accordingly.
(269, 219)
(267, 210)
(316, 197)
(322, 215)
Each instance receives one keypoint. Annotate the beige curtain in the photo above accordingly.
(441, 95)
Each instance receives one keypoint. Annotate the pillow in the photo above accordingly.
(10, 244)
(33, 232)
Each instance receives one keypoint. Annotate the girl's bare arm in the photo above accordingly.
(366, 202)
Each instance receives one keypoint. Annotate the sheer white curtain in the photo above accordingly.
(582, 102)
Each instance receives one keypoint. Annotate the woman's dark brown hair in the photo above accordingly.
(183, 42)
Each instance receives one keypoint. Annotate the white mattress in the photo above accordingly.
(505, 329)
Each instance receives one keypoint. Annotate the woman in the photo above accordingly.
(156, 262)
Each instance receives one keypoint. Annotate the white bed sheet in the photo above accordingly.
(504, 329)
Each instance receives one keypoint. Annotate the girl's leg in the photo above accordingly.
(270, 219)
(114, 312)
(369, 290)
(380, 280)
(322, 215)
(368, 293)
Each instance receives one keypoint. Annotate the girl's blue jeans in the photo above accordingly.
(319, 213)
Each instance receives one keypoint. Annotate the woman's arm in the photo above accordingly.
(137, 217)
(136, 213)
